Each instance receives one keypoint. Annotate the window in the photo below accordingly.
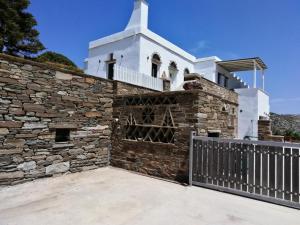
(155, 65)
(222, 80)
(62, 135)
(186, 71)
(173, 69)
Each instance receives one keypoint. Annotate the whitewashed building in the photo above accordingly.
(137, 55)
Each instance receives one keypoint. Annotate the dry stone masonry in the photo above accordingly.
(39, 102)
(55, 121)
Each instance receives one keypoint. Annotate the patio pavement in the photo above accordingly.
(111, 196)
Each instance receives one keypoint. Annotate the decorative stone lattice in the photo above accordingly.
(147, 131)
(158, 100)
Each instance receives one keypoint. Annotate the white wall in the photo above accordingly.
(263, 104)
(207, 68)
(149, 47)
(253, 103)
(128, 47)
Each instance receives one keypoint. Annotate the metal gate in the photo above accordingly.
(267, 171)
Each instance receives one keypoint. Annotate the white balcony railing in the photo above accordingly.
(133, 77)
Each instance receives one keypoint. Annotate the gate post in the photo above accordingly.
(193, 133)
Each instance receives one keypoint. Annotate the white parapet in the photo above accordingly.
(133, 77)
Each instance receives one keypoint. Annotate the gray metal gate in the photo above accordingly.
(267, 171)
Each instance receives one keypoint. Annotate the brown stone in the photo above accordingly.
(11, 175)
(34, 87)
(8, 80)
(4, 131)
(92, 114)
(10, 124)
(71, 99)
(11, 151)
(90, 80)
(15, 142)
(33, 107)
(63, 76)
(63, 126)
(16, 111)
(50, 115)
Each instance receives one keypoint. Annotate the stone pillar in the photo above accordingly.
(264, 129)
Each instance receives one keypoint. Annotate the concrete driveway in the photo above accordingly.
(111, 196)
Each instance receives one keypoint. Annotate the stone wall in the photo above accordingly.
(145, 146)
(36, 102)
(122, 88)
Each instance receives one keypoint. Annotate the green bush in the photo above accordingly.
(56, 58)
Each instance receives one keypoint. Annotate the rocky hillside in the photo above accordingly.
(281, 123)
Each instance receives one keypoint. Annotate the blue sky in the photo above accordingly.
(228, 29)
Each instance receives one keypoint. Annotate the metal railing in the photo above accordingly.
(267, 171)
(133, 77)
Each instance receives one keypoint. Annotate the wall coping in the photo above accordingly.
(49, 66)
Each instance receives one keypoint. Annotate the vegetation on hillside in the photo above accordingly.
(17, 33)
(56, 58)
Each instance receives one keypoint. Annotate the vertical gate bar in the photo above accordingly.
(245, 156)
(272, 151)
(295, 175)
(191, 158)
(199, 161)
(221, 165)
(251, 169)
(238, 165)
(232, 165)
(265, 153)
(287, 174)
(215, 163)
(205, 149)
(210, 161)
(257, 169)
(226, 163)
(279, 178)
(195, 160)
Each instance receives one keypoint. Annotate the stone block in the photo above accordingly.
(10, 124)
(76, 151)
(54, 158)
(4, 131)
(5, 101)
(11, 151)
(34, 125)
(16, 111)
(33, 107)
(90, 80)
(15, 142)
(34, 87)
(12, 175)
(63, 76)
(27, 166)
(92, 114)
(71, 99)
(63, 126)
(58, 168)
(8, 80)
(27, 118)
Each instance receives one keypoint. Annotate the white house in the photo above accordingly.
(139, 56)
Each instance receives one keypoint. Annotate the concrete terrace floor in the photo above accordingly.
(112, 196)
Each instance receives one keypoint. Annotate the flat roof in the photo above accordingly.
(242, 64)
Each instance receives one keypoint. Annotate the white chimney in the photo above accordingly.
(139, 16)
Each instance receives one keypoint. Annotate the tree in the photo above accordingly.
(17, 33)
(56, 58)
